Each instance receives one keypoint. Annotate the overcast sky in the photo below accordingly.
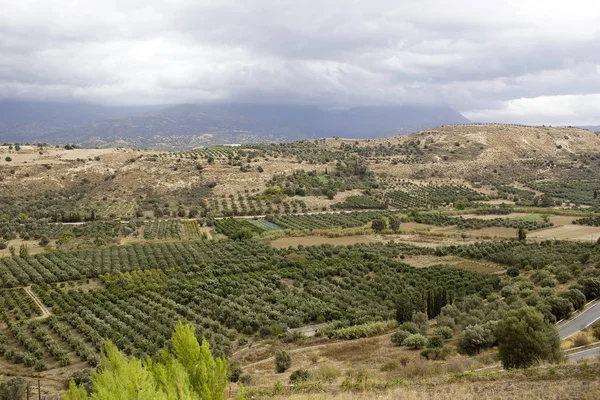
(520, 61)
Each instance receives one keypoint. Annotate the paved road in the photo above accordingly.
(580, 322)
(580, 355)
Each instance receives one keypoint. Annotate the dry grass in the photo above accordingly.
(568, 389)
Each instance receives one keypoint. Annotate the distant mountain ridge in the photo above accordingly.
(189, 125)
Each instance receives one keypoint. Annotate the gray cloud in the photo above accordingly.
(518, 61)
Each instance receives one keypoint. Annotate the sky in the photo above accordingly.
(531, 62)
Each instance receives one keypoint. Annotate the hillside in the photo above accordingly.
(474, 152)
(188, 126)
(322, 268)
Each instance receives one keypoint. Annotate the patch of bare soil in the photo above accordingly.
(316, 240)
(425, 261)
(578, 233)
(33, 247)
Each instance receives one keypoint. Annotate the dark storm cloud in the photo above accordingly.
(522, 61)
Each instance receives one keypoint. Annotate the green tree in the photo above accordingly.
(283, 361)
(416, 341)
(378, 224)
(575, 296)
(12, 389)
(421, 320)
(399, 337)
(404, 308)
(189, 372)
(474, 338)
(521, 235)
(591, 287)
(460, 204)
(525, 339)
(394, 222)
(23, 251)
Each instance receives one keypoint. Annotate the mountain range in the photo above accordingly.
(191, 125)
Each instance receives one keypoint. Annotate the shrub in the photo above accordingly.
(299, 376)
(581, 339)
(421, 320)
(399, 337)
(415, 341)
(596, 331)
(525, 339)
(591, 287)
(444, 331)
(437, 353)
(410, 327)
(575, 296)
(435, 342)
(12, 389)
(474, 338)
(446, 321)
(328, 373)
(235, 371)
(283, 361)
(389, 366)
(245, 379)
(513, 272)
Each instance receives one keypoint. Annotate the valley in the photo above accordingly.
(372, 265)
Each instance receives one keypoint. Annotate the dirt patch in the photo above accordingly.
(493, 216)
(316, 240)
(33, 247)
(462, 263)
(568, 232)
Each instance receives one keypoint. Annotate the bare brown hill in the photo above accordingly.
(459, 152)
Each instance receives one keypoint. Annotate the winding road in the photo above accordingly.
(580, 355)
(580, 322)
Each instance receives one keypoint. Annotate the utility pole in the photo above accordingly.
(39, 391)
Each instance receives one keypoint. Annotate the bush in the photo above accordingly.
(444, 332)
(415, 341)
(581, 339)
(245, 379)
(389, 366)
(410, 327)
(399, 336)
(513, 272)
(235, 371)
(526, 339)
(435, 342)
(474, 338)
(445, 321)
(596, 331)
(12, 389)
(560, 307)
(328, 373)
(591, 287)
(283, 361)
(299, 376)
(437, 353)
(575, 296)
(421, 320)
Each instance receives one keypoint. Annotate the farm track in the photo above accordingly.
(45, 312)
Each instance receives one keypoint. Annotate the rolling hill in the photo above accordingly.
(188, 125)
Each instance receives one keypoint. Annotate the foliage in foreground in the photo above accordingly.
(525, 339)
(189, 372)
